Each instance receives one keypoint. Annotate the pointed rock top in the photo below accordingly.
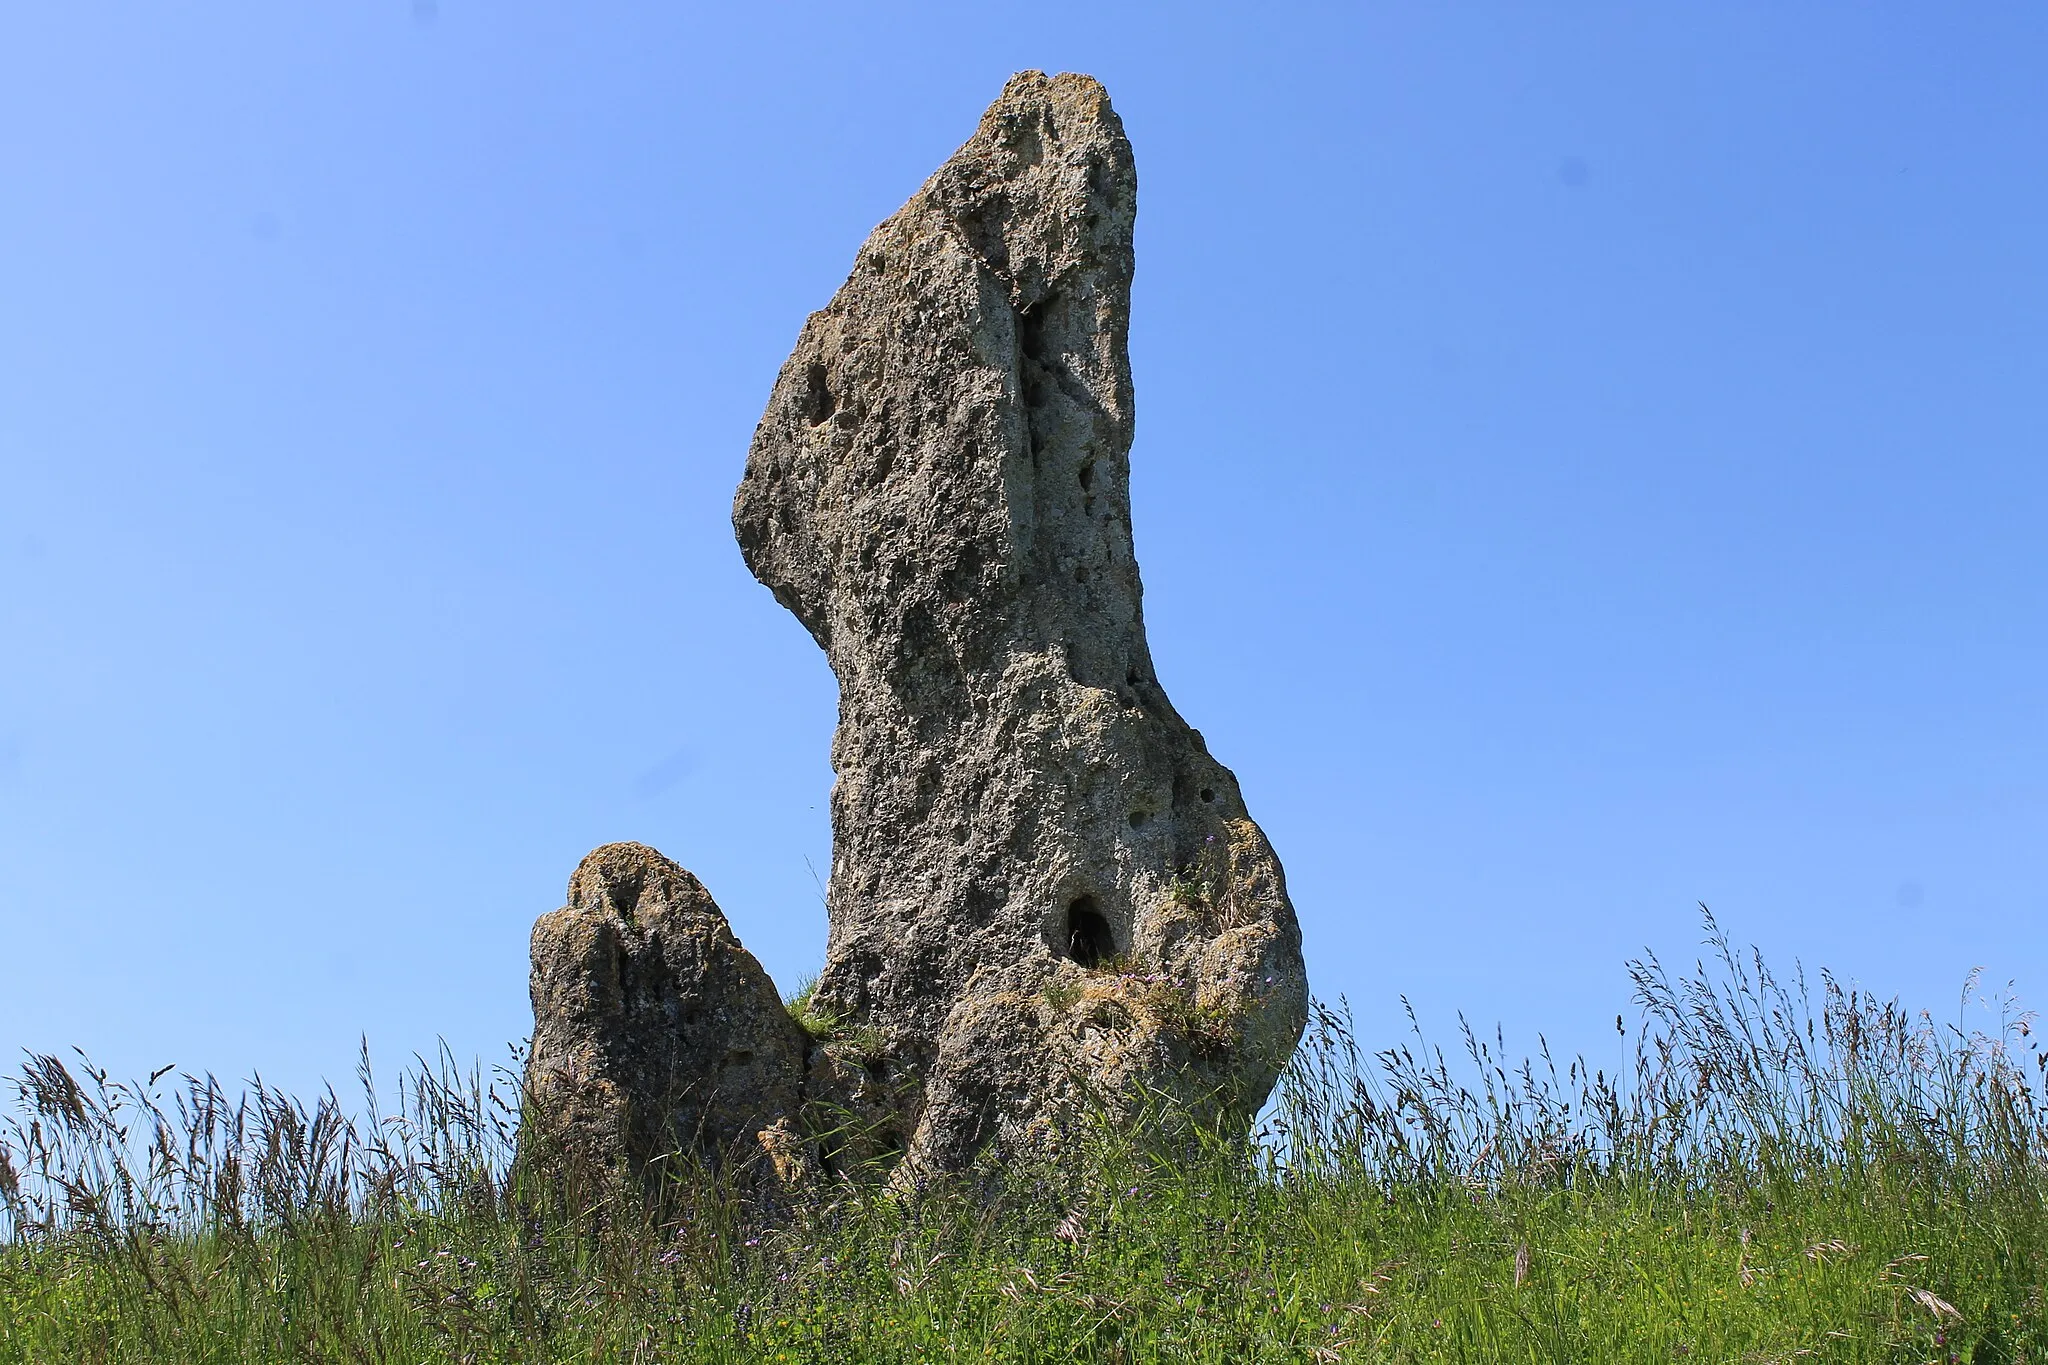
(1046, 183)
(632, 881)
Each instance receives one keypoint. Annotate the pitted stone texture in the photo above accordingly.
(654, 1031)
(939, 490)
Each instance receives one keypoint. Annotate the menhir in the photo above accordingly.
(1044, 891)
(659, 1045)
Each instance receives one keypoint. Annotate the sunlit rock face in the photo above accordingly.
(1043, 886)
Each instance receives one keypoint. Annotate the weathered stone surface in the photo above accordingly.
(655, 1032)
(1042, 884)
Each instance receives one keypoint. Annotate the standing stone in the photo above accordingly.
(655, 1032)
(1043, 887)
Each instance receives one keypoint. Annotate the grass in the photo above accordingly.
(818, 1023)
(1783, 1177)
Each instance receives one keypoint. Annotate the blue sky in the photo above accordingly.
(1587, 464)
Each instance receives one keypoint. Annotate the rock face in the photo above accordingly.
(1043, 887)
(655, 1032)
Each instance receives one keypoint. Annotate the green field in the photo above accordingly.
(1785, 1176)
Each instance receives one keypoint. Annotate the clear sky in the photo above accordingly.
(1587, 463)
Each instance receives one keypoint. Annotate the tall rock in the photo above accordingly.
(1043, 887)
(655, 1032)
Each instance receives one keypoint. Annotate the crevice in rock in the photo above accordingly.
(819, 401)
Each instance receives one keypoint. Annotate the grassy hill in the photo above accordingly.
(1784, 1177)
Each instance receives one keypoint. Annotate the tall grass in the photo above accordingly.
(1783, 1173)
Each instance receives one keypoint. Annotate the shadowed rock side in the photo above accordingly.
(1042, 884)
(655, 1032)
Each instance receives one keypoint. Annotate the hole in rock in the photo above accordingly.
(1087, 476)
(1208, 793)
(1089, 941)
(1138, 819)
(1080, 575)
(1131, 676)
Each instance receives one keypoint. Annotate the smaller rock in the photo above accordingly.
(656, 1036)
